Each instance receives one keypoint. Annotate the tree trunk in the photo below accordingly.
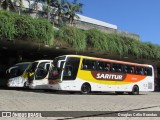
(1, 2)
(19, 11)
(48, 14)
(0, 6)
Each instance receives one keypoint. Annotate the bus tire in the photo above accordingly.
(25, 85)
(135, 90)
(85, 88)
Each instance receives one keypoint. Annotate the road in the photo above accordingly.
(38, 100)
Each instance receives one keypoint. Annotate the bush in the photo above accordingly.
(75, 37)
(121, 45)
(97, 39)
(110, 43)
(7, 28)
(107, 43)
(23, 27)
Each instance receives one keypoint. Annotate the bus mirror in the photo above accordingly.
(59, 64)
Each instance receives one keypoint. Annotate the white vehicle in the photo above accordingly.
(16, 75)
(86, 74)
(38, 74)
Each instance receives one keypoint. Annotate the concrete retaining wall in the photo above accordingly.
(87, 26)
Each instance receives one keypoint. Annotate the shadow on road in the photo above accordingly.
(65, 92)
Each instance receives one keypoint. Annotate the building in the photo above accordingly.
(87, 23)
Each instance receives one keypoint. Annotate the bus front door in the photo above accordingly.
(41, 76)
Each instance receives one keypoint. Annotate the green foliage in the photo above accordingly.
(73, 36)
(108, 43)
(96, 39)
(14, 26)
(22, 27)
(44, 31)
(7, 29)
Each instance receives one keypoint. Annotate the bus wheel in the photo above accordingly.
(25, 85)
(135, 90)
(86, 88)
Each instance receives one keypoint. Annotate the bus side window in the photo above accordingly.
(148, 71)
(100, 66)
(88, 64)
(85, 64)
(85, 67)
(132, 70)
(125, 69)
(68, 71)
(93, 65)
(145, 71)
(139, 70)
(129, 69)
(107, 67)
(113, 69)
(117, 68)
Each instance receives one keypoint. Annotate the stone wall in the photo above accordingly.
(87, 26)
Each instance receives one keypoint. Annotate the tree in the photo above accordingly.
(7, 4)
(47, 8)
(1, 2)
(35, 6)
(29, 2)
(60, 9)
(72, 9)
(19, 5)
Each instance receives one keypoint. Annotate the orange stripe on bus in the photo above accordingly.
(134, 78)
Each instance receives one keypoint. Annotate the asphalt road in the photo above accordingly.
(38, 100)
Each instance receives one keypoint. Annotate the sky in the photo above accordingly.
(136, 16)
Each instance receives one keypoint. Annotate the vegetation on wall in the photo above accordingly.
(74, 37)
(22, 27)
(14, 26)
(108, 43)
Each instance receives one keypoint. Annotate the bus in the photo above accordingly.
(37, 74)
(87, 74)
(16, 75)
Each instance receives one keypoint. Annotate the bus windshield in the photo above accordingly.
(31, 70)
(17, 70)
(32, 67)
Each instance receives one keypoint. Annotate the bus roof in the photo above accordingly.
(22, 63)
(43, 61)
(109, 60)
